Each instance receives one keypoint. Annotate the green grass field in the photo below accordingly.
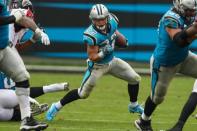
(106, 108)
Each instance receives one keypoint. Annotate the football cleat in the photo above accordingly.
(143, 125)
(29, 124)
(51, 112)
(137, 109)
(37, 110)
(177, 127)
(66, 86)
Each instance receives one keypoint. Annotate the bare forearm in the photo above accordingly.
(28, 23)
(192, 30)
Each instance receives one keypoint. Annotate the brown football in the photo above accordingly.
(120, 40)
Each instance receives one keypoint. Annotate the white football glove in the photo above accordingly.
(44, 37)
(18, 14)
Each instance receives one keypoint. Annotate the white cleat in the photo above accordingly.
(66, 86)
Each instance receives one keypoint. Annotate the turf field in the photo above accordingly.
(106, 108)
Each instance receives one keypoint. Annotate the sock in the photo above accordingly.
(133, 92)
(58, 105)
(149, 108)
(188, 108)
(23, 98)
(53, 87)
(69, 97)
(36, 92)
(134, 104)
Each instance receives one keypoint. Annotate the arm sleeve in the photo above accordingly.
(4, 20)
(171, 22)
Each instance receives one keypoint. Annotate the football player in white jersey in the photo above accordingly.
(13, 66)
(16, 32)
(100, 38)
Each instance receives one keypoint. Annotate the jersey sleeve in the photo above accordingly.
(88, 39)
(171, 22)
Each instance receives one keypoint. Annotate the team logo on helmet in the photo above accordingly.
(99, 11)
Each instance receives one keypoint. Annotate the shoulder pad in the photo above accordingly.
(114, 17)
(90, 33)
(173, 15)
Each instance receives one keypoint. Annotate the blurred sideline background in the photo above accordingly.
(65, 22)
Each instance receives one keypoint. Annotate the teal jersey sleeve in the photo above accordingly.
(88, 39)
(171, 22)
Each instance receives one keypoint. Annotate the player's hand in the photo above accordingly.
(18, 14)
(45, 39)
(107, 49)
(43, 36)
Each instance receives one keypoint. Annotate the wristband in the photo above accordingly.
(38, 31)
(32, 40)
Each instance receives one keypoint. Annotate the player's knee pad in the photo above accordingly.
(158, 100)
(21, 76)
(85, 91)
(135, 80)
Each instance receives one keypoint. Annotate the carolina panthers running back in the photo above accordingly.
(100, 38)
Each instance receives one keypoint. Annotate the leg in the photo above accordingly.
(89, 81)
(8, 101)
(123, 70)
(186, 66)
(18, 73)
(160, 79)
(13, 66)
(38, 91)
(187, 110)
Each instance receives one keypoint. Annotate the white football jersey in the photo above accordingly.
(15, 37)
